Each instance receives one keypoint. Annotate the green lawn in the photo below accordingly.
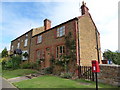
(56, 82)
(16, 73)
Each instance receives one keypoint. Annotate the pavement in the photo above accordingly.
(7, 83)
(4, 84)
(17, 79)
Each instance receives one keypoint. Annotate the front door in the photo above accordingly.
(47, 57)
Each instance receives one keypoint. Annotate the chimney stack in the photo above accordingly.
(84, 9)
(47, 24)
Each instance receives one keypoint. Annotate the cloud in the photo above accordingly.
(104, 14)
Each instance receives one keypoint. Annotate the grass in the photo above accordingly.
(16, 73)
(101, 85)
(56, 82)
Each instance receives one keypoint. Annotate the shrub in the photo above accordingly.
(29, 65)
(25, 66)
(3, 59)
(16, 61)
(12, 63)
(48, 70)
(66, 75)
(9, 64)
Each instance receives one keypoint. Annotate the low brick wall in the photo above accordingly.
(109, 74)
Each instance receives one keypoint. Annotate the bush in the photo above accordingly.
(12, 63)
(16, 61)
(9, 64)
(48, 70)
(3, 59)
(66, 75)
(29, 65)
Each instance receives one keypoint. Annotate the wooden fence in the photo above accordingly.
(85, 72)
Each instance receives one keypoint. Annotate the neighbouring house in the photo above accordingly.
(46, 42)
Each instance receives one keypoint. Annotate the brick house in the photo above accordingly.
(47, 41)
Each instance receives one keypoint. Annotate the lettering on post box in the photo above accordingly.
(95, 66)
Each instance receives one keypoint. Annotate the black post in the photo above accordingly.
(79, 71)
(96, 81)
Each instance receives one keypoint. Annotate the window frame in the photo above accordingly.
(18, 45)
(23, 57)
(58, 51)
(39, 39)
(12, 47)
(60, 31)
(40, 55)
(25, 42)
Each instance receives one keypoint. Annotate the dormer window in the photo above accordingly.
(60, 31)
(39, 39)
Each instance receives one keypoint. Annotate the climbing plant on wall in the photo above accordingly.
(70, 54)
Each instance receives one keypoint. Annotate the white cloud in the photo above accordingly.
(104, 13)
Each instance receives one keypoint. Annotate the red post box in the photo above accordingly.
(95, 66)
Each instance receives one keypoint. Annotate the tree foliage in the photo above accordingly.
(114, 56)
(4, 53)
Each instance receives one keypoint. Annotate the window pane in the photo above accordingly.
(61, 28)
(25, 43)
(63, 49)
(39, 40)
(18, 45)
(57, 50)
(12, 48)
(63, 31)
(58, 32)
(38, 54)
(61, 34)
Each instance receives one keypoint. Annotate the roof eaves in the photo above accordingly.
(22, 35)
(76, 18)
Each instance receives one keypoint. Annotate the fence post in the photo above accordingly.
(79, 68)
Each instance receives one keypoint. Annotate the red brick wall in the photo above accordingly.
(49, 39)
(21, 41)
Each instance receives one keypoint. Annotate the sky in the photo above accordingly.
(18, 17)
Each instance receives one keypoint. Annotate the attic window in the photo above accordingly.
(60, 31)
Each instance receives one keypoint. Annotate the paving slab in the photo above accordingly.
(7, 85)
(17, 79)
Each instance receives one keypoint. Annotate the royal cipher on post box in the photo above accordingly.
(95, 66)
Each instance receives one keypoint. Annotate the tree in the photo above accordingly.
(4, 53)
(114, 56)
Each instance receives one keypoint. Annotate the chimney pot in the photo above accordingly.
(84, 9)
